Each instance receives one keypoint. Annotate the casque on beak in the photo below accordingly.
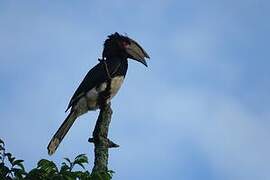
(136, 52)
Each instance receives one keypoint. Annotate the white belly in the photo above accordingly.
(89, 102)
(115, 85)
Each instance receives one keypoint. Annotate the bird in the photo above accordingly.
(102, 82)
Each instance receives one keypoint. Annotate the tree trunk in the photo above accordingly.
(100, 140)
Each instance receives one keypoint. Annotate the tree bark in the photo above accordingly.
(100, 140)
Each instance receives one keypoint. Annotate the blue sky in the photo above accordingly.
(200, 111)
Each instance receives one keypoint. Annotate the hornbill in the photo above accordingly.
(101, 83)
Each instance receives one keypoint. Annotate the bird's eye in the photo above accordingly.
(125, 44)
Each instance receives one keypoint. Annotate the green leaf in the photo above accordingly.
(69, 174)
(3, 169)
(9, 155)
(56, 177)
(81, 156)
(64, 167)
(19, 164)
(82, 175)
(10, 158)
(36, 174)
(18, 161)
(18, 172)
(2, 142)
(81, 164)
(80, 159)
(68, 177)
(47, 166)
(111, 172)
(69, 162)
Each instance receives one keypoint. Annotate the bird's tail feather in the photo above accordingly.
(61, 132)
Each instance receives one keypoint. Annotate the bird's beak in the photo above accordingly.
(136, 52)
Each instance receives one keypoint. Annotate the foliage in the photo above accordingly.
(13, 169)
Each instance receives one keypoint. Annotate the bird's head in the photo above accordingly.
(122, 46)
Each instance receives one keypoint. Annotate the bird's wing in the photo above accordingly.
(94, 77)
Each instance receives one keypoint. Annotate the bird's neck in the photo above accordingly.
(122, 64)
(117, 59)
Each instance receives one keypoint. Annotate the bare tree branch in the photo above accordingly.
(100, 140)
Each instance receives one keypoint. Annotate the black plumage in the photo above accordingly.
(98, 74)
(102, 82)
